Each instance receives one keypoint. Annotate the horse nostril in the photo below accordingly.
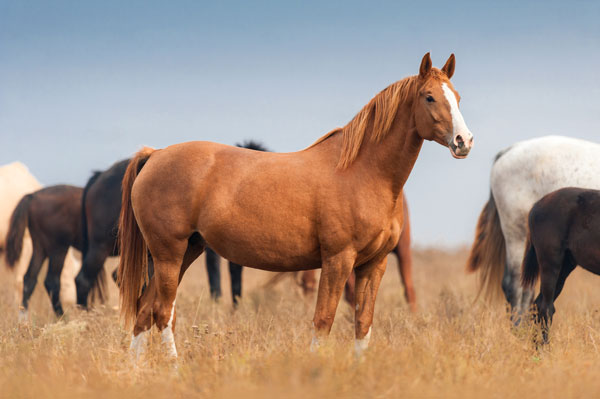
(460, 143)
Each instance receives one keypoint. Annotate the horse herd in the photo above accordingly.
(337, 205)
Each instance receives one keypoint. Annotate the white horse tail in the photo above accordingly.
(488, 253)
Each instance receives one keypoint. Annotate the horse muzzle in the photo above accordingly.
(461, 145)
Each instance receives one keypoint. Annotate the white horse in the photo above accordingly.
(15, 182)
(521, 175)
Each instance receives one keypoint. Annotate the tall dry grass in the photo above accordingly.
(449, 349)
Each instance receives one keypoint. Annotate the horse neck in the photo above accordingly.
(393, 157)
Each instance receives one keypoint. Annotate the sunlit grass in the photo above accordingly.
(450, 348)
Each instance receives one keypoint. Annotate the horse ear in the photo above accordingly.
(448, 69)
(425, 66)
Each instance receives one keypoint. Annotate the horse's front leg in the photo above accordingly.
(334, 273)
(368, 278)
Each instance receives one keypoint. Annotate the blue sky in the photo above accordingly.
(84, 84)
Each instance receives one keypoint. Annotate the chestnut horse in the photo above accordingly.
(336, 205)
(213, 268)
(308, 279)
(52, 216)
(564, 231)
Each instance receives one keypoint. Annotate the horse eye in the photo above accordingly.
(430, 99)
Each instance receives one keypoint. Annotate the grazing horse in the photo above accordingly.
(213, 261)
(336, 205)
(52, 216)
(308, 278)
(564, 231)
(100, 208)
(521, 175)
(15, 182)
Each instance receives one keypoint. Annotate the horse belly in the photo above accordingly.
(275, 242)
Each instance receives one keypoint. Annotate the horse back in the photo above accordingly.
(55, 216)
(102, 204)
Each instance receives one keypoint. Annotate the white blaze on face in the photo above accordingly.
(459, 127)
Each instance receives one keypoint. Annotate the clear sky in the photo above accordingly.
(84, 84)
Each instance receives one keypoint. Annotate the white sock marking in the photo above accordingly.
(314, 343)
(138, 345)
(23, 315)
(360, 345)
(167, 337)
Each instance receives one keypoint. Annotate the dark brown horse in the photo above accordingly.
(337, 205)
(564, 231)
(100, 208)
(52, 216)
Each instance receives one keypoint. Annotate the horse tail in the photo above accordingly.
(488, 253)
(14, 239)
(99, 287)
(530, 269)
(133, 264)
(99, 290)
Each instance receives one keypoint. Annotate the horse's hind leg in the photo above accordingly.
(52, 282)
(551, 263)
(213, 270)
(402, 251)
(368, 278)
(157, 303)
(569, 265)
(235, 272)
(30, 278)
(90, 268)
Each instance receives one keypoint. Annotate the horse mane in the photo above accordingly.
(502, 152)
(252, 145)
(375, 119)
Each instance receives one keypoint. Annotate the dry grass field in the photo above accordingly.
(450, 348)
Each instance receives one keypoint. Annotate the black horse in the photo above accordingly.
(564, 231)
(100, 209)
(52, 217)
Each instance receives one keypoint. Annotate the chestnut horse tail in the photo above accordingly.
(488, 253)
(133, 264)
(14, 239)
(530, 270)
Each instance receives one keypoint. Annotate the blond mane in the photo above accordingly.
(379, 114)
